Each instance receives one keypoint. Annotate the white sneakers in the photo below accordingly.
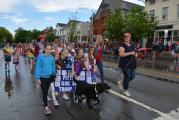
(120, 85)
(56, 103)
(48, 98)
(125, 92)
(65, 96)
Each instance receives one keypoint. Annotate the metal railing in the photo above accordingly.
(169, 66)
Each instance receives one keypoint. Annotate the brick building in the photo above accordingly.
(106, 8)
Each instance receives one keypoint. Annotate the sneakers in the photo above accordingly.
(126, 93)
(48, 98)
(47, 111)
(65, 96)
(56, 93)
(120, 85)
(56, 103)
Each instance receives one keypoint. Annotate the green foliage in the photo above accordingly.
(50, 37)
(35, 33)
(25, 36)
(22, 35)
(136, 21)
(50, 29)
(114, 25)
(5, 35)
(72, 31)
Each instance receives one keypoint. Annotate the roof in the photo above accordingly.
(127, 4)
(116, 4)
(61, 24)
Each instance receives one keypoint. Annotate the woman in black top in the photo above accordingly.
(127, 63)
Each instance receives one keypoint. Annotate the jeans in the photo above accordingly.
(129, 75)
(100, 68)
(45, 84)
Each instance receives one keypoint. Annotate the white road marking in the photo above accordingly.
(173, 113)
(108, 68)
(162, 114)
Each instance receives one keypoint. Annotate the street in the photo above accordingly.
(25, 102)
(131, 45)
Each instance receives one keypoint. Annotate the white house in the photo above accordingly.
(167, 12)
(61, 31)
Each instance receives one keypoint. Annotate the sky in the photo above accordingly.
(39, 14)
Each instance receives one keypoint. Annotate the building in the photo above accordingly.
(60, 31)
(106, 8)
(167, 12)
(81, 31)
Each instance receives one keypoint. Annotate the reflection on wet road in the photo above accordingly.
(20, 100)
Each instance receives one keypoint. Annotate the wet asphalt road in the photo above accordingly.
(23, 102)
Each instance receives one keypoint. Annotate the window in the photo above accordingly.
(152, 14)
(165, 13)
(178, 10)
(152, 2)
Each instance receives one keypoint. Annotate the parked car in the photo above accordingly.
(144, 53)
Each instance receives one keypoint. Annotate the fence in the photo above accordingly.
(169, 66)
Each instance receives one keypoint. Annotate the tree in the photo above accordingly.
(35, 33)
(139, 24)
(5, 35)
(114, 25)
(136, 21)
(50, 29)
(50, 37)
(72, 27)
(23, 36)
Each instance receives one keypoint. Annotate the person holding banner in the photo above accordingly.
(79, 63)
(91, 63)
(64, 63)
(7, 57)
(45, 70)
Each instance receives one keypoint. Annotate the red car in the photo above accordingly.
(144, 53)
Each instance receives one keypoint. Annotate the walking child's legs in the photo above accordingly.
(45, 84)
(52, 90)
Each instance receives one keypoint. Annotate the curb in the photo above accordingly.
(139, 73)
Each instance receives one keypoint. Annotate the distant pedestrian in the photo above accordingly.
(31, 56)
(44, 71)
(16, 57)
(7, 57)
(127, 63)
(176, 51)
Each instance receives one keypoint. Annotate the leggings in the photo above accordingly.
(45, 84)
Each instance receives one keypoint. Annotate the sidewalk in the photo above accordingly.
(152, 73)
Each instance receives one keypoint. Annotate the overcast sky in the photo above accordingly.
(39, 14)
